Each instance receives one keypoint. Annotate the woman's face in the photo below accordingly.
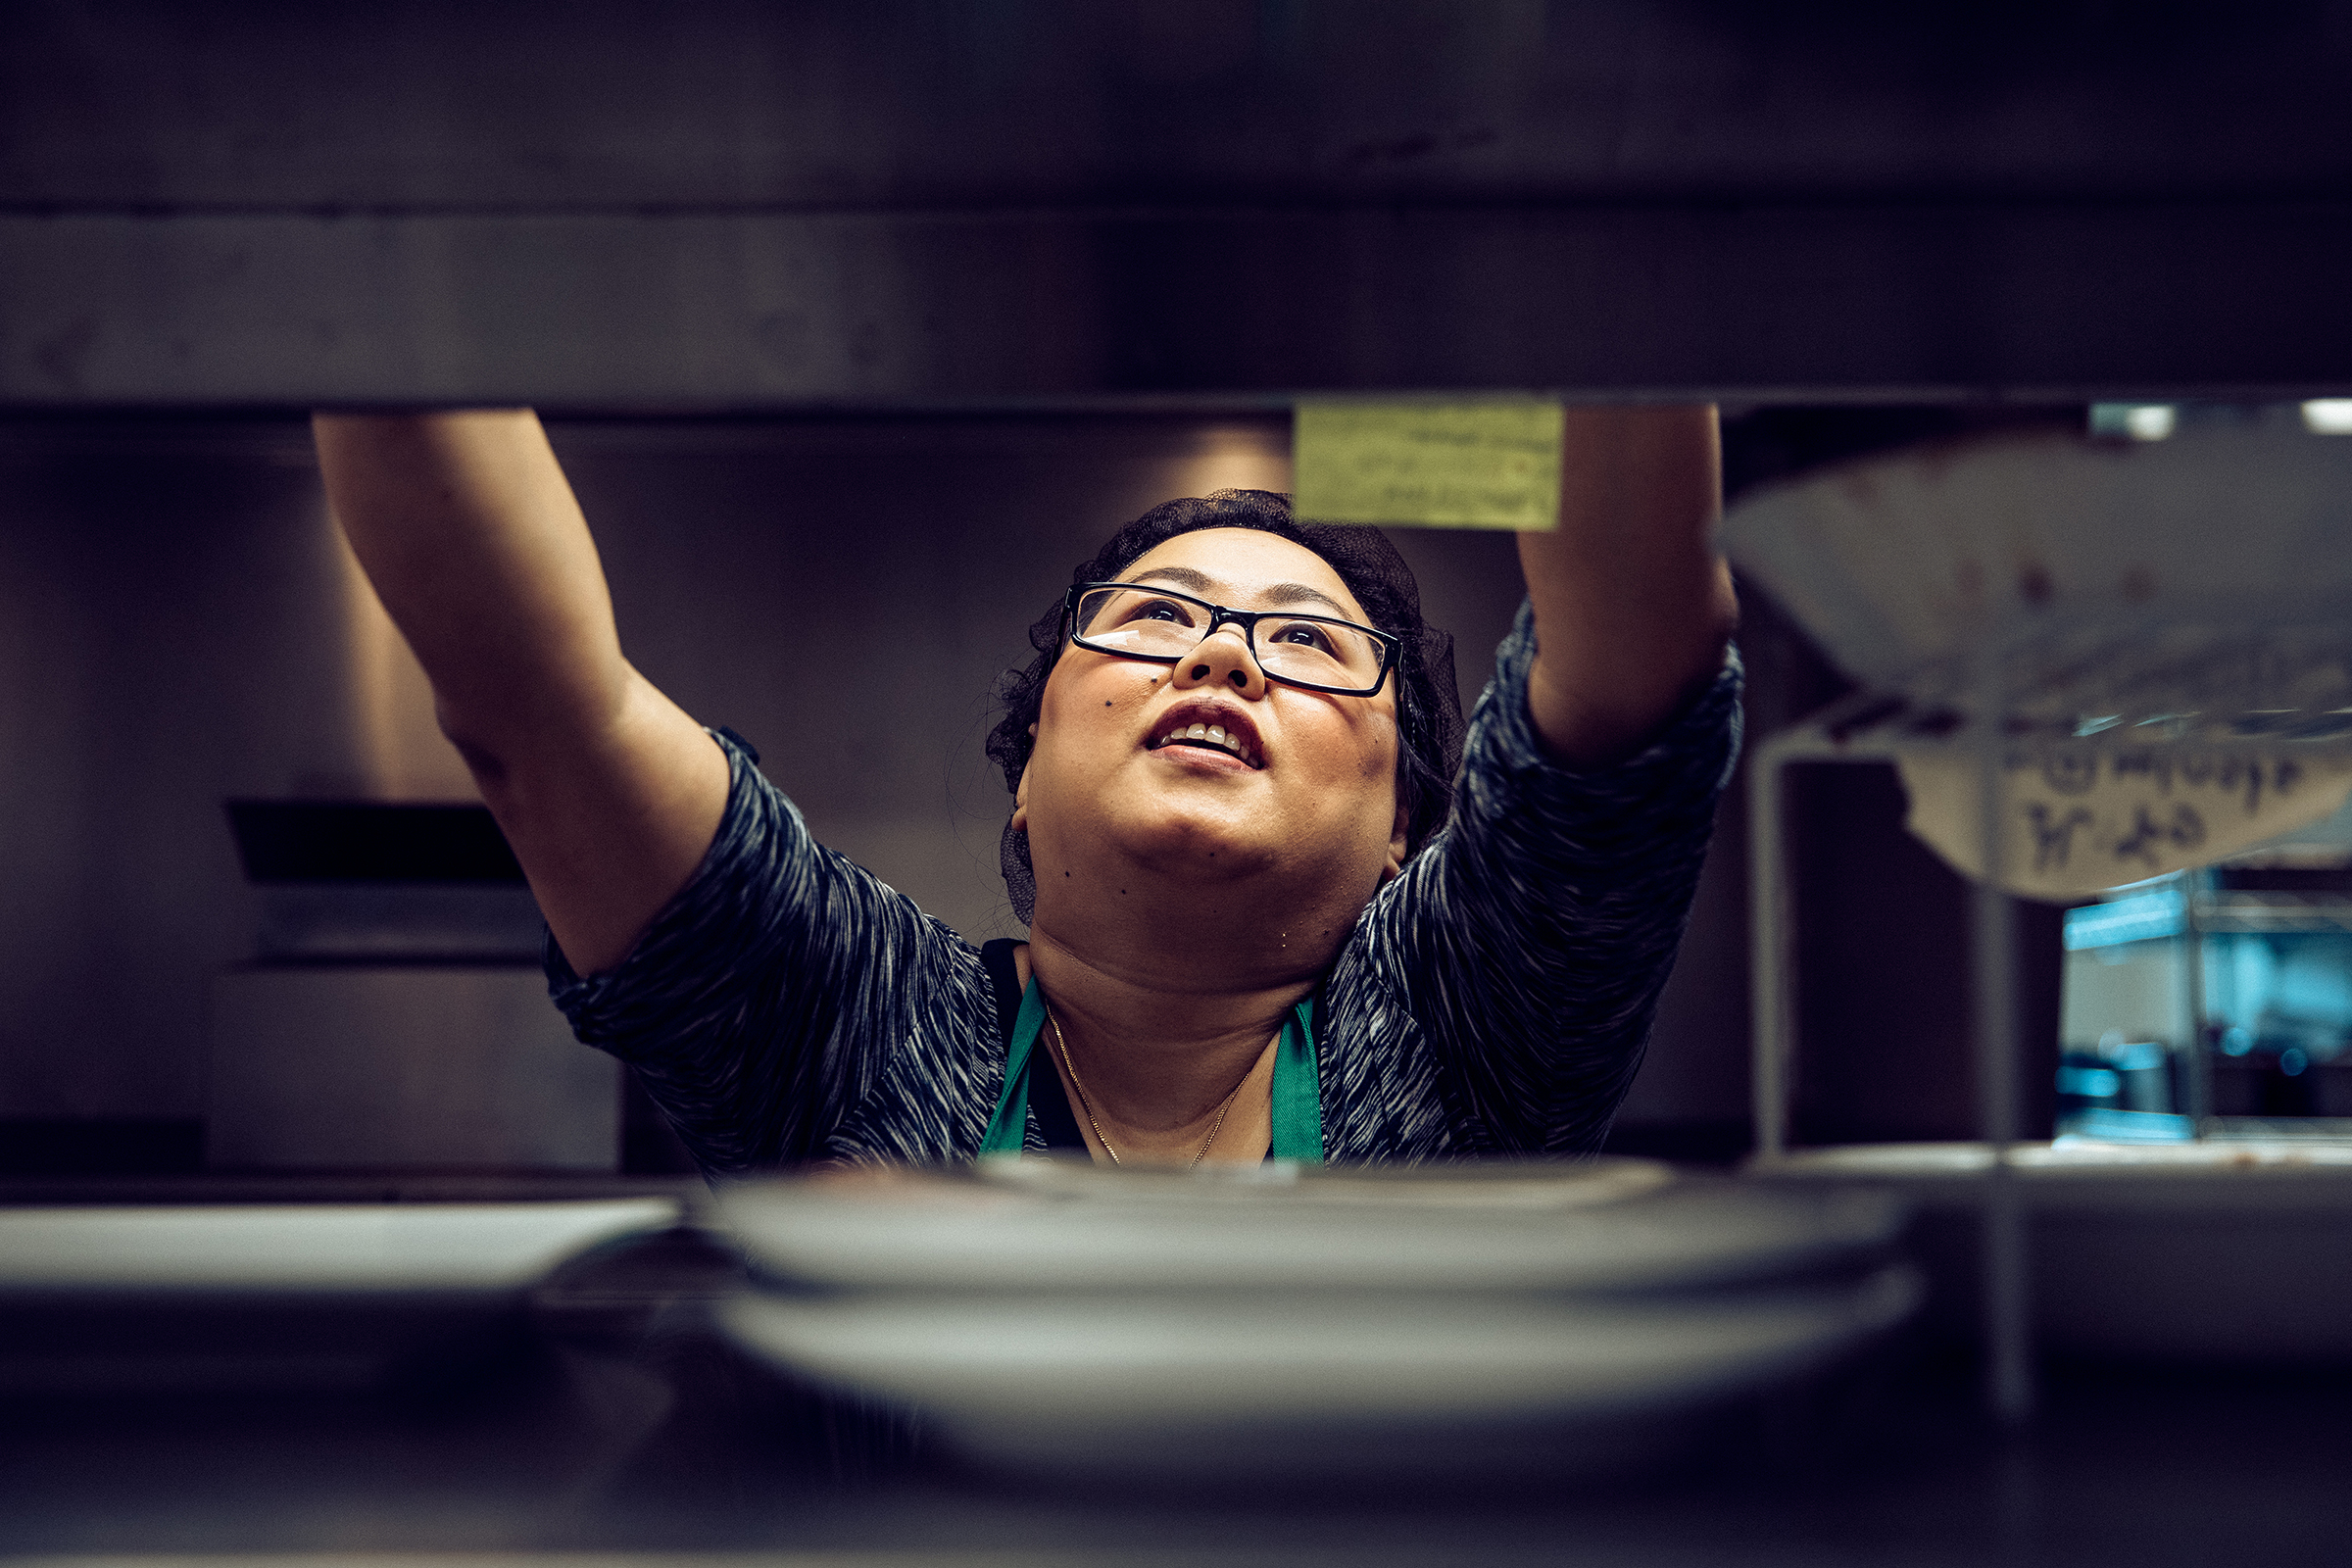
(1311, 800)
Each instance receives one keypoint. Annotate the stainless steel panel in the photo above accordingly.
(400, 922)
(390, 1067)
(613, 104)
(766, 311)
(732, 206)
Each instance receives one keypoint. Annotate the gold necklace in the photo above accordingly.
(1088, 1105)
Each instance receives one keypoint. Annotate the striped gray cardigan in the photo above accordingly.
(1495, 998)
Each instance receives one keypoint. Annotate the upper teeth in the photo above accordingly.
(1214, 734)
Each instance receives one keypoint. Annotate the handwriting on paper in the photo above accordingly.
(2079, 822)
(1476, 463)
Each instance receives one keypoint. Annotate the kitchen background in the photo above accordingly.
(180, 625)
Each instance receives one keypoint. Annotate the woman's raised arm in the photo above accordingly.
(608, 791)
(1633, 602)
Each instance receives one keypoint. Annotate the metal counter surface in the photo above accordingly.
(624, 1425)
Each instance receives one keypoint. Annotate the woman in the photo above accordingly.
(1249, 935)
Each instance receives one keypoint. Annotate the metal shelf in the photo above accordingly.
(2173, 684)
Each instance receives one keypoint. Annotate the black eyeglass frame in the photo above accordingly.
(1392, 647)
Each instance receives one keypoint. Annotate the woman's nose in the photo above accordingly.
(1222, 659)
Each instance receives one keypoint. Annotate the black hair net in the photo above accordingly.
(1429, 707)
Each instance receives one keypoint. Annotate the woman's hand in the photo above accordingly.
(609, 793)
(1633, 602)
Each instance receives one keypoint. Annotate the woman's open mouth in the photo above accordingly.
(1209, 737)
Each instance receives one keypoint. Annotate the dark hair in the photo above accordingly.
(1429, 707)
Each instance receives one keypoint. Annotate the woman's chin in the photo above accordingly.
(1186, 853)
(1177, 844)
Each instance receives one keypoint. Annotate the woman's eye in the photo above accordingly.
(1301, 632)
(1159, 609)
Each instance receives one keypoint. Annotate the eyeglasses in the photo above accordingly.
(1139, 620)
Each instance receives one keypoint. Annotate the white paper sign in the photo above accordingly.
(2076, 823)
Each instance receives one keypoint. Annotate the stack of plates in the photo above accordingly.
(1279, 1320)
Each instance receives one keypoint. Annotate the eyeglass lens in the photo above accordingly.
(1152, 623)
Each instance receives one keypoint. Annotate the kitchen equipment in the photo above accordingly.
(2214, 1251)
(395, 1017)
(2092, 665)
(1284, 1321)
(1619, 1224)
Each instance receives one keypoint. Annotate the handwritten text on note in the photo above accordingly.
(1468, 464)
(2077, 823)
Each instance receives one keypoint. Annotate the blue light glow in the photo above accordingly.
(2128, 1127)
(2138, 918)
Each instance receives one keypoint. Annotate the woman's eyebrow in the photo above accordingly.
(1280, 593)
(1296, 593)
(1200, 582)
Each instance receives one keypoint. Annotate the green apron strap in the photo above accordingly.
(1297, 1091)
(1008, 1128)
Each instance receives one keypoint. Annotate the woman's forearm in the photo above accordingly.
(609, 793)
(1633, 602)
(470, 532)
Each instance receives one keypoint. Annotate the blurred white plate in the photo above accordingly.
(1207, 1383)
(321, 1246)
(278, 1296)
(1024, 1225)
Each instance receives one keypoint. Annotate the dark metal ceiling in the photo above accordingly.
(891, 203)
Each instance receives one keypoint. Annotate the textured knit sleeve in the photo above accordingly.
(1528, 942)
(779, 1003)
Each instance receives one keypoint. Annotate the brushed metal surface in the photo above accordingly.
(912, 203)
(380, 1066)
(1232, 308)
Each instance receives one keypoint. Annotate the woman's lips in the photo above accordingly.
(1195, 754)
(1218, 740)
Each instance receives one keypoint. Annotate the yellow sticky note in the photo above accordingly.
(1487, 463)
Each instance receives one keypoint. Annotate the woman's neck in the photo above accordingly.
(1158, 1048)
